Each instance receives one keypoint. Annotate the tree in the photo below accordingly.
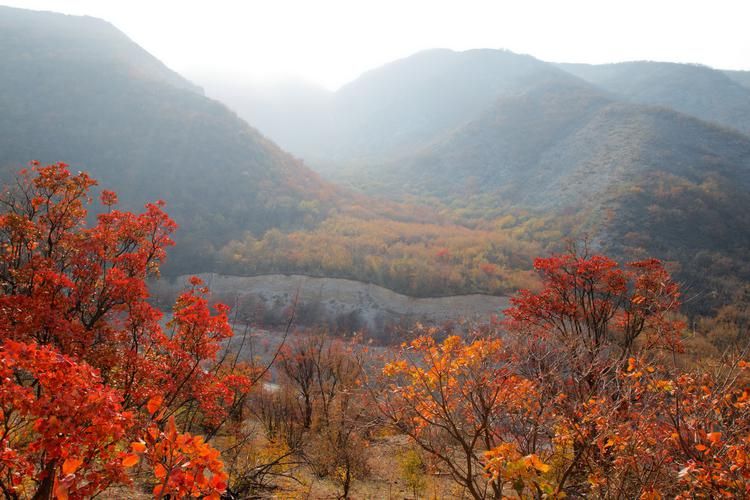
(575, 338)
(458, 401)
(86, 365)
(332, 415)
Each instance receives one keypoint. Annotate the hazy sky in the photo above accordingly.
(332, 41)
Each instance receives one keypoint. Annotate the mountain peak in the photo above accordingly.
(51, 39)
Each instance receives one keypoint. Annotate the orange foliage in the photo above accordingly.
(414, 258)
(585, 395)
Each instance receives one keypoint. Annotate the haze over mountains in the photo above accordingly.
(409, 103)
(554, 138)
(648, 158)
(705, 93)
(76, 89)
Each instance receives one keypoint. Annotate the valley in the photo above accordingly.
(461, 272)
(443, 173)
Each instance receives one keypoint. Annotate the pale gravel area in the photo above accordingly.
(375, 305)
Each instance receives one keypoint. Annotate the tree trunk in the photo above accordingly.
(44, 492)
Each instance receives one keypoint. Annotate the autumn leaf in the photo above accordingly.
(651, 494)
(130, 460)
(537, 464)
(70, 465)
(631, 364)
(160, 471)
(154, 403)
(138, 446)
(60, 491)
(714, 437)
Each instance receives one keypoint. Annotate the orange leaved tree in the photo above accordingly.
(458, 400)
(89, 379)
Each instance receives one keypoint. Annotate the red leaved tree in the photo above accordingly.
(577, 339)
(86, 366)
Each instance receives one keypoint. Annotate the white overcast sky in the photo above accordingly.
(332, 41)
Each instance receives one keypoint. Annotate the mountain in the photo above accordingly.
(564, 144)
(395, 108)
(648, 158)
(30, 38)
(76, 89)
(641, 180)
(391, 110)
(741, 77)
(700, 91)
(512, 152)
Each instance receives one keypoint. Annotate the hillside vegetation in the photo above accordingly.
(78, 90)
(700, 91)
(645, 158)
(470, 162)
(591, 386)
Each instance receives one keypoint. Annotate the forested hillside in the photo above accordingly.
(561, 145)
(486, 157)
(641, 180)
(644, 158)
(408, 103)
(700, 91)
(76, 89)
(741, 77)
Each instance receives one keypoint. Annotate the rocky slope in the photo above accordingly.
(330, 300)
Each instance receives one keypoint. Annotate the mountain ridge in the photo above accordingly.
(122, 115)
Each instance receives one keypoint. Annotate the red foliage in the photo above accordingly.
(593, 301)
(85, 363)
(183, 464)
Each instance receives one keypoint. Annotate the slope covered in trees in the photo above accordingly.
(508, 151)
(643, 174)
(410, 102)
(692, 89)
(741, 77)
(558, 145)
(641, 180)
(76, 89)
